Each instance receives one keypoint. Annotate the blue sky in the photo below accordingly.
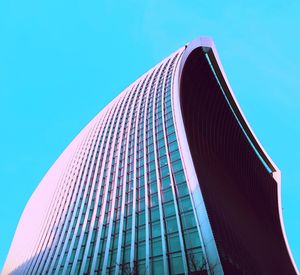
(62, 61)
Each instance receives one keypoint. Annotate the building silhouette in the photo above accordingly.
(168, 178)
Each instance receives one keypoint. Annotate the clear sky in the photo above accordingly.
(62, 61)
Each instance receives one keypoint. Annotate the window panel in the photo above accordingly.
(167, 195)
(196, 260)
(154, 199)
(192, 238)
(179, 177)
(141, 267)
(182, 189)
(176, 264)
(171, 224)
(185, 204)
(126, 254)
(153, 187)
(142, 250)
(176, 166)
(155, 229)
(169, 209)
(141, 218)
(157, 266)
(173, 243)
(141, 233)
(164, 171)
(175, 155)
(188, 220)
(156, 247)
(166, 182)
(154, 213)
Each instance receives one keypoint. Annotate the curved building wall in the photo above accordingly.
(140, 188)
(239, 191)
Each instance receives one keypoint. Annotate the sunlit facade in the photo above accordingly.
(166, 179)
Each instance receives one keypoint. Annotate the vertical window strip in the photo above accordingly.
(137, 113)
(162, 225)
(142, 127)
(95, 218)
(101, 235)
(175, 203)
(147, 129)
(71, 182)
(87, 219)
(35, 264)
(49, 221)
(107, 251)
(76, 220)
(73, 211)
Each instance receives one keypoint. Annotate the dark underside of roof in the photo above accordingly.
(239, 193)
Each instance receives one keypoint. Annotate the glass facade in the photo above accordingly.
(123, 204)
(133, 191)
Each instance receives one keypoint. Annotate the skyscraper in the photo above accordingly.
(167, 179)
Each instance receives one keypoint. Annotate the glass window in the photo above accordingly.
(153, 187)
(129, 222)
(152, 175)
(151, 156)
(185, 204)
(141, 250)
(166, 182)
(175, 155)
(160, 142)
(192, 238)
(179, 177)
(188, 220)
(142, 192)
(113, 257)
(174, 243)
(152, 165)
(195, 260)
(115, 242)
(156, 247)
(163, 161)
(141, 233)
(171, 224)
(141, 267)
(142, 204)
(164, 171)
(182, 189)
(169, 209)
(172, 137)
(157, 266)
(170, 129)
(162, 151)
(167, 195)
(141, 181)
(155, 227)
(176, 264)
(154, 199)
(154, 213)
(173, 146)
(176, 166)
(128, 236)
(141, 218)
(127, 254)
